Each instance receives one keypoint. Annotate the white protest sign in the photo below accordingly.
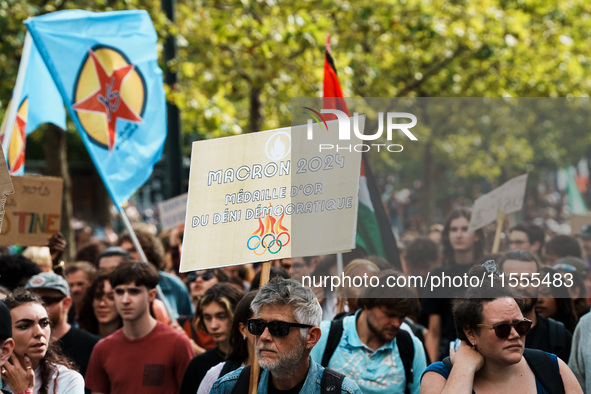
(507, 198)
(173, 211)
(269, 195)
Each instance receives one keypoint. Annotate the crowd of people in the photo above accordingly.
(109, 322)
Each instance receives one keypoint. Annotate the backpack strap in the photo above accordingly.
(407, 353)
(334, 337)
(545, 370)
(243, 381)
(447, 362)
(557, 336)
(331, 382)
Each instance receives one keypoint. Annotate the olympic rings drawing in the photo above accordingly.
(274, 245)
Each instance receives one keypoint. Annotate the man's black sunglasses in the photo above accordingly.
(194, 276)
(502, 330)
(277, 328)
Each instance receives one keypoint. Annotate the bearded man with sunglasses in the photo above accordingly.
(144, 356)
(287, 316)
(55, 293)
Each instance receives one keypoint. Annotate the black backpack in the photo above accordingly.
(543, 367)
(403, 340)
(331, 382)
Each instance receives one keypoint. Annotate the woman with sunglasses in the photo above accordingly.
(241, 345)
(490, 356)
(215, 312)
(31, 332)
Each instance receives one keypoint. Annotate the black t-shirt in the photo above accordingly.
(77, 345)
(295, 390)
(555, 340)
(197, 369)
(439, 303)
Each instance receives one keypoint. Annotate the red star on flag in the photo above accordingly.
(107, 99)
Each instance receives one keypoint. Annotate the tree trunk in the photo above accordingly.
(56, 160)
(256, 116)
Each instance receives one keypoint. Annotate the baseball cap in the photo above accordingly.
(572, 264)
(5, 321)
(585, 232)
(49, 280)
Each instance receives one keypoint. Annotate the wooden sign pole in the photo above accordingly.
(500, 223)
(254, 369)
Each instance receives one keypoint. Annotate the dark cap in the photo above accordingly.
(5, 321)
(585, 232)
(572, 264)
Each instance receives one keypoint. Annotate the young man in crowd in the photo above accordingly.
(144, 356)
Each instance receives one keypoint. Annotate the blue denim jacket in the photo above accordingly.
(225, 384)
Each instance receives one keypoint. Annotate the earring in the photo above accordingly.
(244, 337)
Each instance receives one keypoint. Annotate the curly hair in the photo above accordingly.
(149, 243)
(87, 319)
(54, 355)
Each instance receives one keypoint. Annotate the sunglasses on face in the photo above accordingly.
(277, 328)
(192, 277)
(502, 330)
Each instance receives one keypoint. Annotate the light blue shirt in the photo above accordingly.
(225, 384)
(375, 372)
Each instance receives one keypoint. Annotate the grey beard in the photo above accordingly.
(287, 361)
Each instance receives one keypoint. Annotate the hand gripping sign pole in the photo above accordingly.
(500, 222)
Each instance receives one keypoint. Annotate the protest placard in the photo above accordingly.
(269, 195)
(6, 187)
(33, 211)
(173, 211)
(506, 198)
(578, 221)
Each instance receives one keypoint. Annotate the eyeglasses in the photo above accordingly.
(192, 277)
(50, 300)
(277, 328)
(502, 330)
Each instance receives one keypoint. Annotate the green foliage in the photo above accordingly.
(241, 61)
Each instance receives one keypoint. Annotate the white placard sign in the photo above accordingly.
(508, 198)
(270, 195)
(173, 211)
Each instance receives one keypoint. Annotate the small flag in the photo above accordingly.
(105, 67)
(576, 202)
(35, 100)
(374, 233)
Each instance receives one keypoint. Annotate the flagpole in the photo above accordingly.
(138, 248)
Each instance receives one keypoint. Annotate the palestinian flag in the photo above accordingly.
(374, 233)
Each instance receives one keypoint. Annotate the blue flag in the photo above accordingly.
(105, 68)
(35, 100)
